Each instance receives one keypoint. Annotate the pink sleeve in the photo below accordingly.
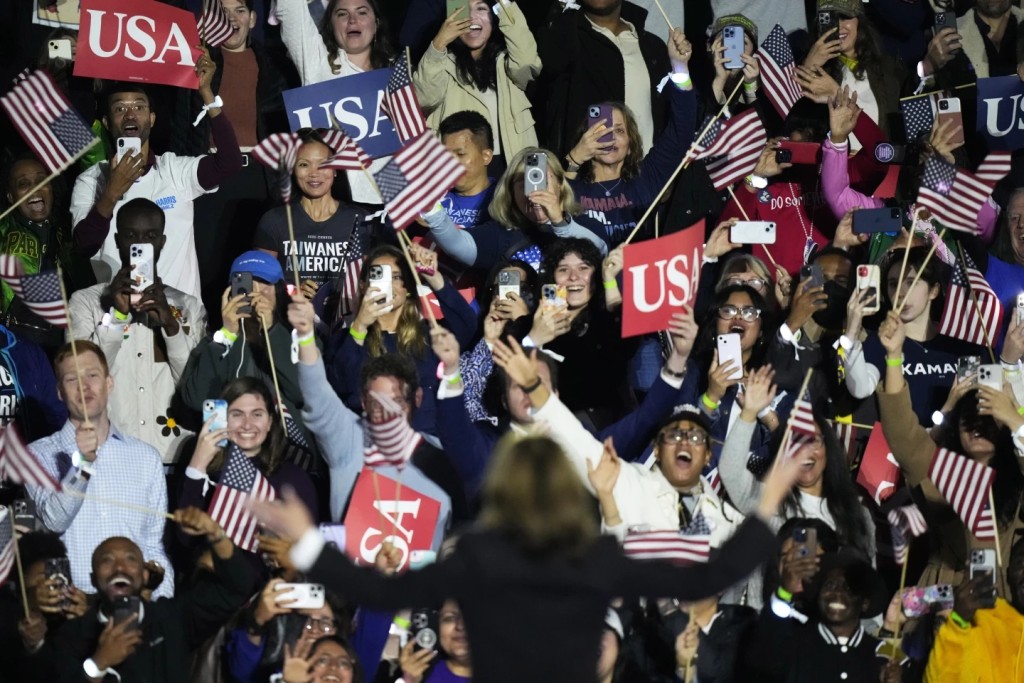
(835, 183)
(988, 216)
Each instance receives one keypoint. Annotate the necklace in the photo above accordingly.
(809, 244)
(607, 192)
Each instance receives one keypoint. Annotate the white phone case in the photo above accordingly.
(383, 283)
(126, 145)
(1020, 307)
(869, 276)
(729, 349)
(140, 256)
(991, 376)
(752, 232)
(306, 595)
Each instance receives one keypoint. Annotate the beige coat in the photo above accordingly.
(973, 42)
(441, 93)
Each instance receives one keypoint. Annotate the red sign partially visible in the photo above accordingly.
(879, 472)
(405, 517)
(137, 40)
(660, 276)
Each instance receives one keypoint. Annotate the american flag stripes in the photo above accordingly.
(416, 178)
(671, 546)
(731, 148)
(906, 523)
(778, 71)
(960, 318)
(348, 156)
(400, 103)
(802, 427)
(714, 480)
(278, 151)
(214, 25)
(965, 484)
(391, 441)
(18, 464)
(40, 292)
(298, 449)
(239, 482)
(918, 115)
(7, 542)
(46, 120)
(955, 196)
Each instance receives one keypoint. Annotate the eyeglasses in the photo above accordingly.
(323, 625)
(122, 109)
(755, 282)
(671, 437)
(341, 663)
(747, 313)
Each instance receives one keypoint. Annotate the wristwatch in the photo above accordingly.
(79, 461)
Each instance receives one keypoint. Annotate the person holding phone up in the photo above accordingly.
(730, 70)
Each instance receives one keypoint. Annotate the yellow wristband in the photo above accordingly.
(311, 339)
(358, 336)
(784, 594)
(708, 403)
(894, 362)
(119, 316)
(1020, 411)
(610, 284)
(230, 336)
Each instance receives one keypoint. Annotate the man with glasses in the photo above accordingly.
(171, 181)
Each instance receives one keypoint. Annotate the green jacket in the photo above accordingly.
(41, 247)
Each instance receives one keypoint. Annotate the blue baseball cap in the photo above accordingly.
(259, 264)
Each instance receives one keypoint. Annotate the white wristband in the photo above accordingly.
(216, 104)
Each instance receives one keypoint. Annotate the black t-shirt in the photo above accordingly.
(323, 248)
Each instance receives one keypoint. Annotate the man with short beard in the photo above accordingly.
(986, 35)
(155, 642)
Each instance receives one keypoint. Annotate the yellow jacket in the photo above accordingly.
(991, 651)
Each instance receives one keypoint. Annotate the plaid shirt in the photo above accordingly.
(126, 470)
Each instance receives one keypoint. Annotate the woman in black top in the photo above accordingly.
(535, 580)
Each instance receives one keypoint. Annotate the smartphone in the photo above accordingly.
(919, 600)
(456, 4)
(805, 541)
(949, 110)
(884, 219)
(305, 595)
(127, 146)
(25, 513)
(732, 41)
(813, 271)
(508, 283)
(140, 256)
(967, 367)
(808, 153)
(553, 296)
(58, 569)
(983, 561)
(424, 629)
(946, 20)
(380, 279)
(535, 174)
(991, 376)
(59, 49)
(729, 349)
(1020, 307)
(597, 113)
(241, 283)
(752, 232)
(334, 534)
(124, 607)
(828, 20)
(217, 408)
(869, 278)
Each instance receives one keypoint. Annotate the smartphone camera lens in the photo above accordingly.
(943, 105)
(896, 214)
(595, 112)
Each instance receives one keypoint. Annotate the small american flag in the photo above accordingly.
(918, 115)
(18, 464)
(46, 120)
(214, 25)
(955, 196)
(298, 449)
(348, 156)
(354, 260)
(400, 103)
(714, 480)
(906, 523)
(7, 542)
(278, 151)
(731, 148)
(40, 292)
(416, 178)
(802, 427)
(778, 71)
(391, 441)
(672, 546)
(960, 318)
(239, 481)
(965, 484)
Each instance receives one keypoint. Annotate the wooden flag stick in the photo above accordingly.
(24, 198)
(273, 373)
(903, 584)
(119, 503)
(739, 206)
(789, 422)
(682, 165)
(977, 307)
(376, 495)
(74, 347)
(17, 560)
(406, 243)
(903, 268)
(689, 660)
(937, 92)
(995, 528)
(664, 14)
(294, 248)
(920, 270)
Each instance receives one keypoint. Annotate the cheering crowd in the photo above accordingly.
(277, 409)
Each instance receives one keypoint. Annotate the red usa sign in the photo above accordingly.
(659, 277)
(132, 40)
(405, 517)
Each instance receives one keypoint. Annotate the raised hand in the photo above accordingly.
(843, 113)
(446, 348)
(117, 642)
(297, 668)
(682, 329)
(718, 241)
(758, 392)
(825, 48)
(605, 473)
(453, 27)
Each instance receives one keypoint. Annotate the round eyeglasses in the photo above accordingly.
(747, 313)
(671, 437)
(754, 283)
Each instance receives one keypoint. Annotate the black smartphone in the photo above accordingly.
(783, 156)
(58, 570)
(424, 629)
(884, 219)
(828, 20)
(813, 271)
(805, 540)
(241, 283)
(946, 20)
(25, 513)
(123, 609)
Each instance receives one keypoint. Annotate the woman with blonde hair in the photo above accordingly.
(535, 579)
(521, 224)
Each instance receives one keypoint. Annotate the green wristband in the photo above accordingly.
(708, 403)
(358, 336)
(784, 594)
(959, 620)
(610, 284)
(894, 362)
